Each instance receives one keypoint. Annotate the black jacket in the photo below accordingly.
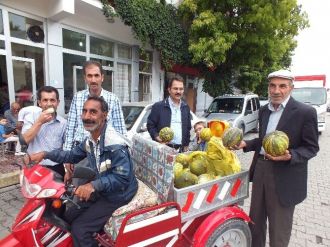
(160, 117)
(299, 122)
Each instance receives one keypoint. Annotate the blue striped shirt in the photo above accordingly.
(75, 131)
(50, 137)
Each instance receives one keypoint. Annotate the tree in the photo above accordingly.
(154, 23)
(238, 42)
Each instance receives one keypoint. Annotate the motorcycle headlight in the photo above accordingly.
(29, 190)
(46, 193)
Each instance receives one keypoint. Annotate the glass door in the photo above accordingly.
(4, 93)
(24, 80)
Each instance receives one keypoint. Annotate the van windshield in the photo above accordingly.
(312, 96)
(227, 105)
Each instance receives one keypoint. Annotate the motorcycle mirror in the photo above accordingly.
(84, 172)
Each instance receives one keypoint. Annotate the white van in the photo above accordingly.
(239, 110)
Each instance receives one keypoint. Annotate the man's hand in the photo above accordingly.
(241, 145)
(68, 172)
(44, 117)
(284, 157)
(34, 158)
(84, 191)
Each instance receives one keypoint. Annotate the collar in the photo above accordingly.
(281, 106)
(101, 94)
(171, 102)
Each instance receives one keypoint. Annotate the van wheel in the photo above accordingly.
(234, 232)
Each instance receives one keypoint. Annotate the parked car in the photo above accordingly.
(239, 110)
(136, 115)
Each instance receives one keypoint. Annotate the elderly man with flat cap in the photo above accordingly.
(280, 183)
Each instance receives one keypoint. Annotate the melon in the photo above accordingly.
(186, 178)
(198, 167)
(205, 134)
(204, 178)
(177, 169)
(232, 136)
(49, 110)
(166, 134)
(183, 159)
(275, 143)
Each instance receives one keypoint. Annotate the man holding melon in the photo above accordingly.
(288, 138)
(169, 121)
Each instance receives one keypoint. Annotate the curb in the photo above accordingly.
(10, 178)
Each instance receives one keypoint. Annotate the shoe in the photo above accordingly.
(19, 153)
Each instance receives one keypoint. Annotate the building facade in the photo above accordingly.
(46, 43)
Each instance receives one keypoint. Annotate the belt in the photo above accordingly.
(175, 146)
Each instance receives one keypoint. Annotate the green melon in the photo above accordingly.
(198, 167)
(185, 179)
(166, 134)
(232, 136)
(204, 178)
(275, 143)
(183, 159)
(177, 169)
(206, 134)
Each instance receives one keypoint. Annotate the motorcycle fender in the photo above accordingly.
(215, 219)
(11, 241)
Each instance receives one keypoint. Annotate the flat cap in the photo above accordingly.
(286, 74)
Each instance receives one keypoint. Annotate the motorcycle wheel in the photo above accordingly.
(232, 233)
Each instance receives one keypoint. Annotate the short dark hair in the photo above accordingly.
(100, 99)
(47, 89)
(94, 63)
(175, 78)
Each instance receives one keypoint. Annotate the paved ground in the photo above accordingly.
(312, 217)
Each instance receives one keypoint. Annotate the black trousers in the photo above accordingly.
(265, 205)
(89, 219)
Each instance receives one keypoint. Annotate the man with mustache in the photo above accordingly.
(46, 131)
(280, 183)
(172, 112)
(75, 132)
(115, 183)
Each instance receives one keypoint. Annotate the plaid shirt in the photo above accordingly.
(75, 131)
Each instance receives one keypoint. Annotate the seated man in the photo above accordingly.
(115, 184)
(9, 138)
(11, 116)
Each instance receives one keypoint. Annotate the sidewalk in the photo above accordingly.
(9, 172)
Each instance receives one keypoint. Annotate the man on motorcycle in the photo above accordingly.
(115, 183)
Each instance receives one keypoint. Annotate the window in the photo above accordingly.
(74, 40)
(1, 22)
(145, 75)
(35, 53)
(124, 51)
(19, 25)
(4, 95)
(122, 87)
(2, 44)
(101, 47)
(69, 61)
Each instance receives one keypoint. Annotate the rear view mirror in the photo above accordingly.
(247, 112)
(143, 128)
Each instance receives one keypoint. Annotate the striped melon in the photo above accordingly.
(275, 143)
(206, 134)
(166, 134)
(232, 137)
